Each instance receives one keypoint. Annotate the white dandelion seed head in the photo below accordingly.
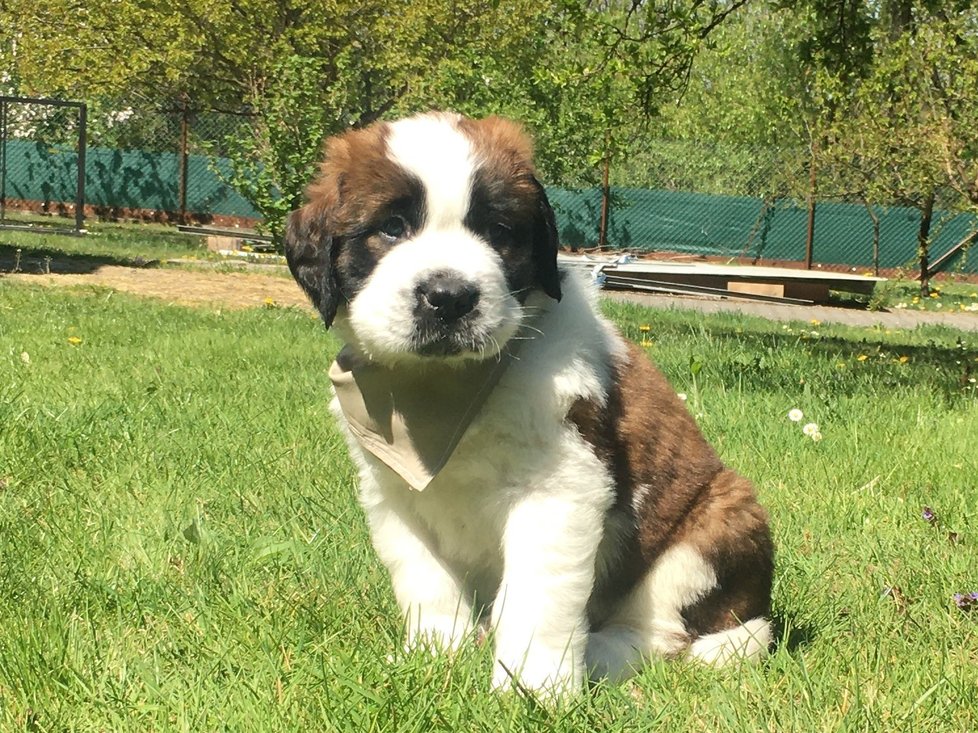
(811, 429)
(795, 415)
(682, 396)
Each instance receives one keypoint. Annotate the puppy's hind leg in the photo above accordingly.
(649, 622)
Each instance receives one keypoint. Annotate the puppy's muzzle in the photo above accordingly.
(446, 297)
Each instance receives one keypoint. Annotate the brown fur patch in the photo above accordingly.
(357, 180)
(500, 144)
(651, 445)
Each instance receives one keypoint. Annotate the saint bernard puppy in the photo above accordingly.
(525, 471)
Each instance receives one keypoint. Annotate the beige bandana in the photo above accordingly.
(412, 420)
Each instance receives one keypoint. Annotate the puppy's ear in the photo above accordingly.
(545, 245)
(309, 252)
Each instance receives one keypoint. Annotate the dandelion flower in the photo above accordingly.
(904, 359)
(682, 396)
(862, 357)
(74, 340)
(795, 415)
(811, 430)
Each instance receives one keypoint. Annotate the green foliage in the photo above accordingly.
(581, 75)
(274, 159)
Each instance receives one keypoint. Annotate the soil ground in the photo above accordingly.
(198, 287)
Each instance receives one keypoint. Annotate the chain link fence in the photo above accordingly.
(159, 164)
(165, 164)
(759, 206)
(683, 200)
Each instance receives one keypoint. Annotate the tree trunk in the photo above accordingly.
(874, 217)
(923, 243)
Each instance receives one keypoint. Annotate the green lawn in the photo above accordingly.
(114, 243)
(180, 548)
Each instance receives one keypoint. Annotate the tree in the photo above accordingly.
(578, 72)
(911, 131)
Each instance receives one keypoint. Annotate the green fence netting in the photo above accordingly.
(645, 220)
(740, 226)
(122, 179)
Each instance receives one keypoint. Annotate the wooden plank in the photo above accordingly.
(661, 286)
(772, 290)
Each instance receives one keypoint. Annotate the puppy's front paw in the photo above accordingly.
(551, 674)
(437, 633)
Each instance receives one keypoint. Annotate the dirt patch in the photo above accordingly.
(182, 286)
(200, 288)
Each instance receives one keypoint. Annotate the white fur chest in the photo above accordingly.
(519, 447)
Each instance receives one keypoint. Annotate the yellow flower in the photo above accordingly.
(862, 357)
(74, 340)
(645, 328)
(904, 359)
(815, 322)
(269, 302)
(935, 294)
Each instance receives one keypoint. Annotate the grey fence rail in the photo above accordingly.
(695, 200)
(37, 119)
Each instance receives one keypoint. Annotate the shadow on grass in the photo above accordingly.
(791, 636)
(848, 366)
(779, 357)
(43, 260)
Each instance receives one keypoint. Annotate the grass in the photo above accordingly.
(947, 295)
(121, 243)
(180, 548)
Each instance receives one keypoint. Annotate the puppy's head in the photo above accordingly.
(422, 238)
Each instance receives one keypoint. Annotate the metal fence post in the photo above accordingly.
(605, 195)
(812, 190)
(3, 159)
(182, 172)
(82, 147)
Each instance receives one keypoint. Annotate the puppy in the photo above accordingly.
(524, 470)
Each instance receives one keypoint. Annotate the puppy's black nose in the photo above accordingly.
(448, 295)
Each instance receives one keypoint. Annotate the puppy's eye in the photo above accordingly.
(393, 228)
(499, 234)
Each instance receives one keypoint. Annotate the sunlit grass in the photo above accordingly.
(180, 548)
